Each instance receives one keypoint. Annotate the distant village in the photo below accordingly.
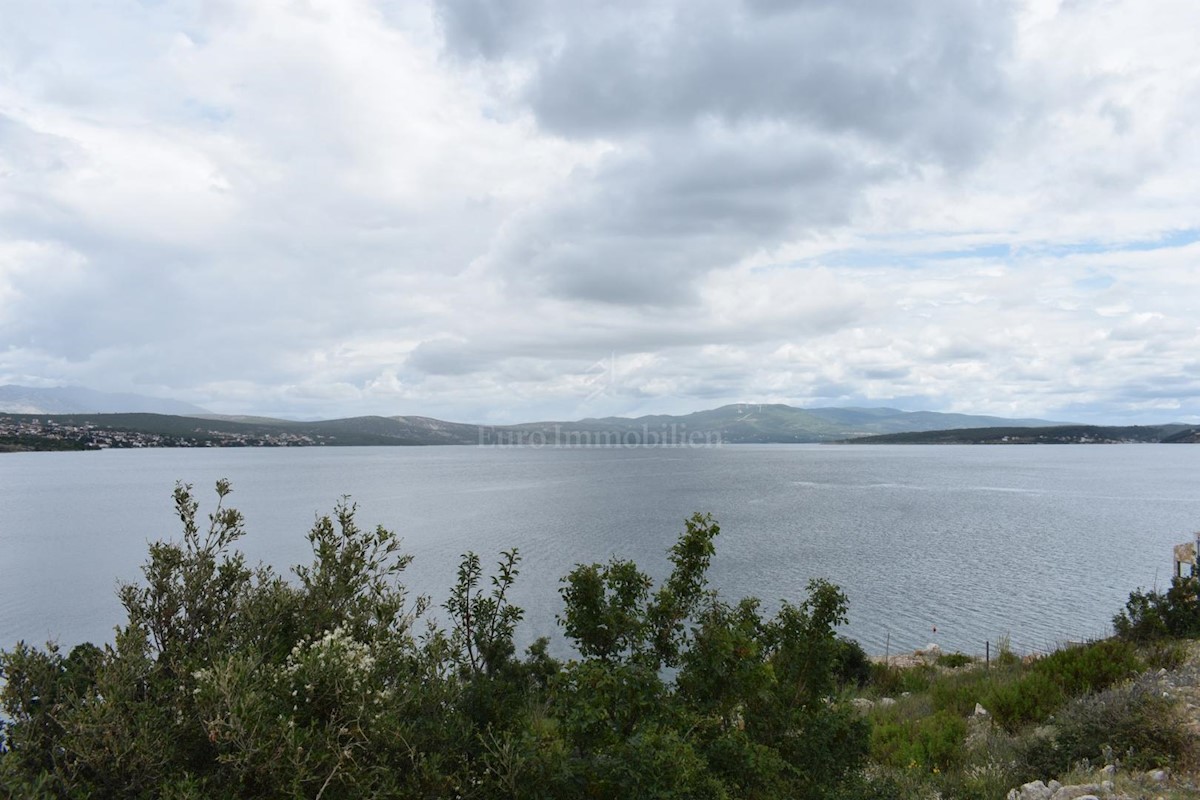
(24, 433)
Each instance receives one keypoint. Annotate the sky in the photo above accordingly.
(528, 209)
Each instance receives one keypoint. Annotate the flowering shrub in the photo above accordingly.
(233, 681)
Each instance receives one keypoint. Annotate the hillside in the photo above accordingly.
(732, 424)
(1058, 434)
(761, 423)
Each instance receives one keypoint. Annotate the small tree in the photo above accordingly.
(229, 681)
(609, 611)
(1156, 615)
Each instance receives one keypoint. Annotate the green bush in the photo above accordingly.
(1166, 655)
(954, 660)
(892, 681)
(1030, 698)
(1052, 680)
(1005, 657)
(932, 742)
(958, 693)
(232, 681)
(1135, 724)
(1157, 615)
(1090, 667)
(852, 665)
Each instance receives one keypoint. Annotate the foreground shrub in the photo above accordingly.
(1166, 655)
(958, 693)
(1134, 724)
(1030, 698)
(1090, 667)
(954, 660)
(933, 742)
(1051, 681)
(852, 665)
(1157, 615)
(890, 681)
(232, 681)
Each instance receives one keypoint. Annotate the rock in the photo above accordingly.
(933, 649)
(1109, 769)
(1077, 792)
(1054, 786)
(862, 704)
(1158, 775)
(1034, 790)
(887, 702)
(980, 711)
(1106, 785)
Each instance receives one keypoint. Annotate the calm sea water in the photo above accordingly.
(1041, 544)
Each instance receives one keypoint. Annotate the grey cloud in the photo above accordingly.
(885, 373)
(922, 74)
(447, 357)
(642, 227)
(960, 351)
(255, 201)
(736, 127)
(832, 391)
(488, 28)
(1163, 387)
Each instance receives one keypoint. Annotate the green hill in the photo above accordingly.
(1058, 434)
(731, 424)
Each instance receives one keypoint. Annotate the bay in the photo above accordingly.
(1038, 543)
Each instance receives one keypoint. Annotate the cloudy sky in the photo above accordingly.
(515, 209)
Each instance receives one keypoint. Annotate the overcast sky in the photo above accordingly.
(500, 211)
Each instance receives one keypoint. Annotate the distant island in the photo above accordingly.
(1056, 434)
(730, 424)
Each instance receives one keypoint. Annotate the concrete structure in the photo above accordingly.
(1186, 554)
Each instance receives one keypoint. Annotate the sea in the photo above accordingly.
(965, 547)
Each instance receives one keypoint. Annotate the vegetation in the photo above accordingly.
(23, 443)
(740, 423)
(1050, 434)
(230, 680)
(954, 660)
(1044, 718)
(1150, 616)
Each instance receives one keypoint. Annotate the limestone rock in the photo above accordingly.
(1034, 790)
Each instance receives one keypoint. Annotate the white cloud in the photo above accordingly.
(462, 209)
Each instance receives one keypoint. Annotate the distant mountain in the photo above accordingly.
(732, 424)
(767, 423)
(79, 400)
